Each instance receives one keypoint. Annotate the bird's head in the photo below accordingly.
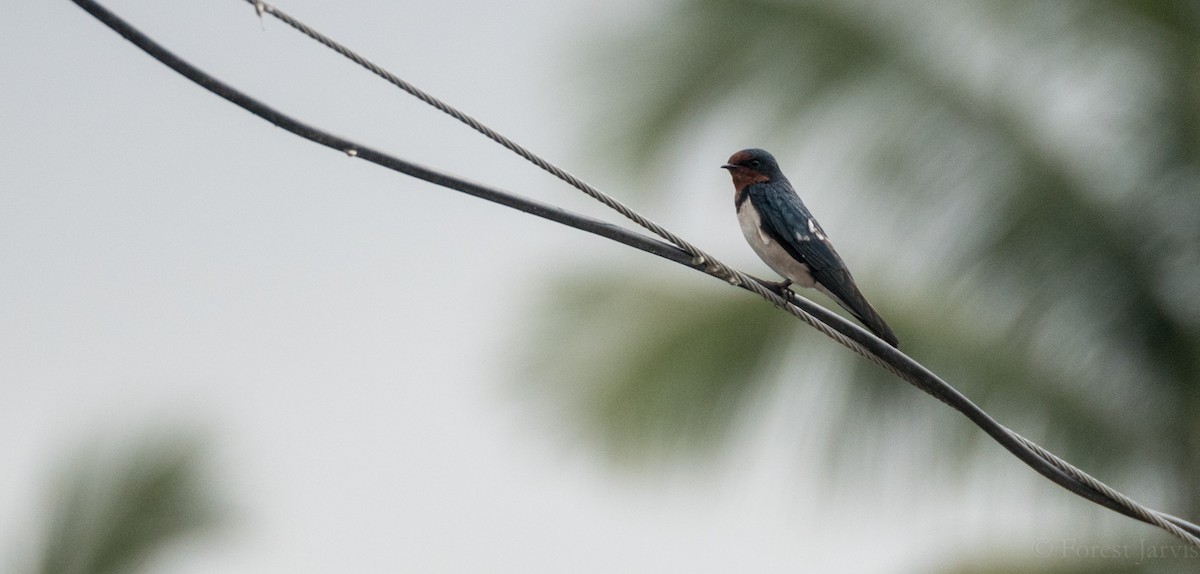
(752, 166)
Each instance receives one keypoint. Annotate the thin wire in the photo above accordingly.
(714, 266)
(832, 325)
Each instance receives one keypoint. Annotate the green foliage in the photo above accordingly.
(111, 514)
(652, 372)
(1055, 144)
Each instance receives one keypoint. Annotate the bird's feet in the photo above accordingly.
(783, 287)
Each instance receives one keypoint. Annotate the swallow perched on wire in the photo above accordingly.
(789, 240)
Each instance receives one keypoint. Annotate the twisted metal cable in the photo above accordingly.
(724, 271)
(1162, 520)
(828, 323)
(713, 266)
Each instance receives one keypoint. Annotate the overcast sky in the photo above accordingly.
(343, 335)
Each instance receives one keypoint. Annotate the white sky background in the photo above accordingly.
(343, 333)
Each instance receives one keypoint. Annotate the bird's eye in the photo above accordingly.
(755, 163)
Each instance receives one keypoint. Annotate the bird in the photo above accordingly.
(789, 240)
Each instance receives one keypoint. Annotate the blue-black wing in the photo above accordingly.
(786, 220)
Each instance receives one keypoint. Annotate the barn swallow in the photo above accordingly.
(789, 240)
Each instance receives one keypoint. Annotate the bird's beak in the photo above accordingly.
(729, 166)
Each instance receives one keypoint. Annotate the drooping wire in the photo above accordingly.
(716, 267)
(841, 330)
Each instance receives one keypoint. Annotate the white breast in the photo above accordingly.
(770, 251)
